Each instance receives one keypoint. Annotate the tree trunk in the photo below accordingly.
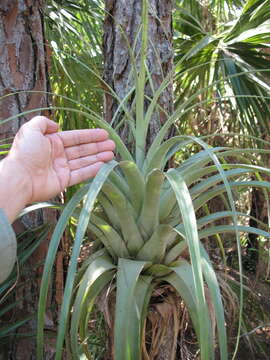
(23, 68)
(257, 255)
(121, 27)
(23, 65)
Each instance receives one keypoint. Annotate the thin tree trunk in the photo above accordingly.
(23, 68)
(121, 28)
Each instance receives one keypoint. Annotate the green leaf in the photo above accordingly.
(191, 170)
(112, 239)
(141, 125)
(125, 343)
(182, 280)
(94, 189)
(7, 330)
(135, 182)
(156, 155)
(189, 219)
(41, 205)
(8, 308)
(138, 311)
(216, 297)
(158, 270)
(221, 189)
(213, 230)
(55, 240)
(211, 181)
(96, 277)
(175, 252)
(109, 210)
(149, 217)
(208, 39)
(125, 213)
(154, 248)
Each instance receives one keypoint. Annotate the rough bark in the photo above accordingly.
(23, 68)
(121, 28)
(23, 64)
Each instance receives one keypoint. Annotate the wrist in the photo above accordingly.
(15, 187)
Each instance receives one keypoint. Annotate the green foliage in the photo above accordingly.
(28, 243)
(226, 60)
(144, 218)
(74, 33)
(150, 224)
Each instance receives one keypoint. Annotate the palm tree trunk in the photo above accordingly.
(24, 67)
(121, 28)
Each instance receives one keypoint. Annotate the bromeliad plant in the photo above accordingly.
(146, 232)
(144, 224)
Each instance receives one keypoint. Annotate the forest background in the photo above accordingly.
(201, 66)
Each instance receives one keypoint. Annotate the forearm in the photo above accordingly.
(14, 188)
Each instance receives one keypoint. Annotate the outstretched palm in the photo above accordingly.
(53, 160)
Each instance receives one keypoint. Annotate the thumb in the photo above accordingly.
(42, 124)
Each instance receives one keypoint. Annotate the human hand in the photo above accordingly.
(52, 160)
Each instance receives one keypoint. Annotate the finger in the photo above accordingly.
(42, 124)
(104, 156)
(85, 173)
(75, 152)
(85, 136)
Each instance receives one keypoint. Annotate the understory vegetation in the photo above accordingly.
(168, 246)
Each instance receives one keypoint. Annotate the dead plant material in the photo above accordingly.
(162, 327)
(59, 278)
